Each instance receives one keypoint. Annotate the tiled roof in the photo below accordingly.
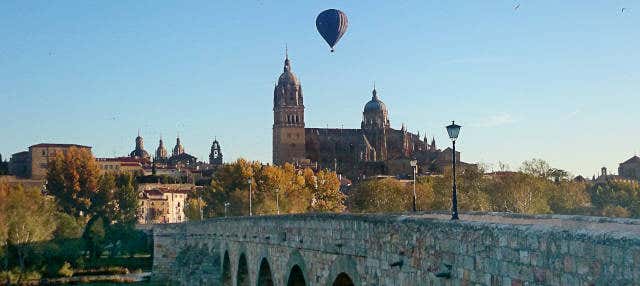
(120, 159)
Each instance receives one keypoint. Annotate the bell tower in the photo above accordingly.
(288, 118)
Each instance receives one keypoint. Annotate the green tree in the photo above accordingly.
(192, 208)
(30, 219)
(95, 236)
(127, 199)
(380, 195)
(568, 197)
(72, 178)
(624, 194)
(520, 193)
(103, 202)
(67, 227)
(471, 190)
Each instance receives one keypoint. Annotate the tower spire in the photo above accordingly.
(374, 92)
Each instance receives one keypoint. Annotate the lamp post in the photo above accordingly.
(250, 202)
(200, 206)
(226, 206)
(453, 131)
(414, 164)
(277, 202)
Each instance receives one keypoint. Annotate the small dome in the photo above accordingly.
(375, 104)
(140, 153)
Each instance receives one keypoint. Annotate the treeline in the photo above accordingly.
(534, 189)
(273, 189)
(80, 217)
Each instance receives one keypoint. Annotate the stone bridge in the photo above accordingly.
(410, 249)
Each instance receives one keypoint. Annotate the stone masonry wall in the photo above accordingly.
(480, 249)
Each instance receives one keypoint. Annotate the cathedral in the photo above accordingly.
(374, 149)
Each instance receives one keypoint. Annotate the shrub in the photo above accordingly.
(65, 270)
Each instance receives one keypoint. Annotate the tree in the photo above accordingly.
(380, 195)
(520, 193)
(623, 194)
(271, 186)
(30, 219)
(103, 202)
(535, 167)
(67, 227)
(72, 178)
(193, 207)
(4, 224)
(94, 236)
(569, 197)
(127, 198)
(326, 193)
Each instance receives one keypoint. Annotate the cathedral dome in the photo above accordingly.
(375, 104)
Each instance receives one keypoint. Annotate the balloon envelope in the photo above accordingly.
(331, 25)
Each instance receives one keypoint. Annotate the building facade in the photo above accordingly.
(35, 162)
(120, 165)
(163, 203)
(630, 169)
(375, 148)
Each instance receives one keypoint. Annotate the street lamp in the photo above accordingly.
(453, 131)
(226, 206)
(277, 203)
(250, 202)
(414, 164)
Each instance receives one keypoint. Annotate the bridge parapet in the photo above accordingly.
(422, 249)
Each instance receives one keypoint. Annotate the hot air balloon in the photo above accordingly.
(331, 25)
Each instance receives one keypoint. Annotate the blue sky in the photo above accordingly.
(556, 80)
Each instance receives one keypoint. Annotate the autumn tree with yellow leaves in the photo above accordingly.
(273, 189)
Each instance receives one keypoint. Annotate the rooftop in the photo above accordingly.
(59, 145)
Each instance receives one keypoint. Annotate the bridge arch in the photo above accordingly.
(296, 271)
(343, 279)
(265, 276)
(344, 272)
(242, 274)
(226, 279)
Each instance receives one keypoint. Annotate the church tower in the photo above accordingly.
(215, 156)
(288, 118)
